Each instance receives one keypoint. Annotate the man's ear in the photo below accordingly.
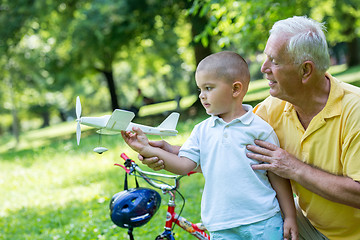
(237, 88)
(307, 69)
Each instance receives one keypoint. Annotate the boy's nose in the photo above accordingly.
(201, 95)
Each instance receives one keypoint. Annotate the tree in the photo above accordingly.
(244, 25)
(344, 26)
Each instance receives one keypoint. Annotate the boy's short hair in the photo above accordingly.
(227, 65)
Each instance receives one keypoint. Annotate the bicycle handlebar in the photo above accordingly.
(131, 166)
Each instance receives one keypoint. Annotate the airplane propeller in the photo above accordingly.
(78, 119)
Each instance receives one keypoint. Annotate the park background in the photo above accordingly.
(138, 55)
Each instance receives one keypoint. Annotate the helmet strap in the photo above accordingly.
(126, 182)
(126, 186)
(131, 236)
(136, 182)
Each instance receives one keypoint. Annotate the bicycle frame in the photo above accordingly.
(197, 230)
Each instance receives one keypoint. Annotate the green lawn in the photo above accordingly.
(53, 189)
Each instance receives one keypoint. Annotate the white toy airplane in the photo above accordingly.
(120, 120)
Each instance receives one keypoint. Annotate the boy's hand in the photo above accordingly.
(290, 229)
(137, 140)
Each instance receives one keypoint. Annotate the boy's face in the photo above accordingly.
(216, 95)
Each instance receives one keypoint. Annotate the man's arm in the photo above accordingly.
(335, 188)
(154, 162)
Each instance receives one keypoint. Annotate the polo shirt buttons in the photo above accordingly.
(225, 135)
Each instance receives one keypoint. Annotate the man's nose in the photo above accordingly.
(265, 66)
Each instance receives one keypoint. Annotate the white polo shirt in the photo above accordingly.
(234, 194)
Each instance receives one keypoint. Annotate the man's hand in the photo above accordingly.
(340, 189)
(279, 161)
(154, 162)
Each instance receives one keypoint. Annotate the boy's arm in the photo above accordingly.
(156, 163)
(285, 197)
(172, 162)
(138, 141)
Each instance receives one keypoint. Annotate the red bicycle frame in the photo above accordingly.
(197, 230)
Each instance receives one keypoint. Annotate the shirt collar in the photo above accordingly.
(333, 105)
(246, 119)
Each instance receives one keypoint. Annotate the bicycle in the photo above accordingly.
(172, 218)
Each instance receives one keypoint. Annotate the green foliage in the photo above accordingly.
(244, 25)
(52, 51)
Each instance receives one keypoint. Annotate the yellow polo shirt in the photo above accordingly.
(331, 142)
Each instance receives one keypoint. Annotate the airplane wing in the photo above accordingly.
(119, 120)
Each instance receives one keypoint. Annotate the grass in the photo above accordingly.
(53, 189)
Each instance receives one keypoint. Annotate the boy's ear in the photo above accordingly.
(237, 88)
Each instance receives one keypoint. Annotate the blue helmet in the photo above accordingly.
(134, 207)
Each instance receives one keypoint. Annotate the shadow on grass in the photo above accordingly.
(85, 219)
(76, 220)
(355, 69)
(26, 156)
(89, 219)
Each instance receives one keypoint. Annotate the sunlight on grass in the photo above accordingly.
(50, 176)
(337, 69)
(159, 108)
(59, 190)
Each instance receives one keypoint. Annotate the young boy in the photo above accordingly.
(237, 202)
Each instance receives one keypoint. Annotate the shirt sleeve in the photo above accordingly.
(191, 148)
(272, 138)
(351, 157)
(261, 110)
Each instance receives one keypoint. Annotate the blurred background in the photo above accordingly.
(138, 55)
(130, 53)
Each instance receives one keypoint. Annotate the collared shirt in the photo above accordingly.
(331, 142)
(234, 194)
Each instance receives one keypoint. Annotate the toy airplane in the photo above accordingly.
(120, 120)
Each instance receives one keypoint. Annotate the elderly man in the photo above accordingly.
(317, 120)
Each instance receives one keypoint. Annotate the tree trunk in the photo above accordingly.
(348, 28)
(198, 25)
(45, 114)
(112, 89)
(353, 53)
(15, 124)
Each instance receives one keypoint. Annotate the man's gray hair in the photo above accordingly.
(306, 40)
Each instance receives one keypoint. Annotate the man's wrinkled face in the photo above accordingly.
(282, 73)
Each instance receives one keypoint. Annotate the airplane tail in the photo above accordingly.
(170, 122)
